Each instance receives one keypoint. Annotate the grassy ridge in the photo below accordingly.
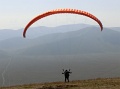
(99, 83)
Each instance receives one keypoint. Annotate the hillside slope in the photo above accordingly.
(105, 83)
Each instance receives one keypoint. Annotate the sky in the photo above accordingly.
(15, 14)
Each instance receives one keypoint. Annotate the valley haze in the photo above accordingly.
(41, 56)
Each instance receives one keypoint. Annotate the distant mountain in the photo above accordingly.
(86, 40)
(3, 54)
(116, 28)
(14, 43)
(34, 32)
(9, 33)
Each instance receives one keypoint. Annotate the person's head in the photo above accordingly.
(66, 70)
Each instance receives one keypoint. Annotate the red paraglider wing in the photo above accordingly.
(57, 11)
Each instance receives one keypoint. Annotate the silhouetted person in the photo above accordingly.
(66, 74)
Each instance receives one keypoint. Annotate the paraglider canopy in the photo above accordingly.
(58, 11)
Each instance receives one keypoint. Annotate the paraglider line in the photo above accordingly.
(4, 71)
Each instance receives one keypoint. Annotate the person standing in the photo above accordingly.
(66, 74)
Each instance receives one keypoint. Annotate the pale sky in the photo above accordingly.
(15, 14)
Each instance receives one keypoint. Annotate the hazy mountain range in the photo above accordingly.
(41, 56)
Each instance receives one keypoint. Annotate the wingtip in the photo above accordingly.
(24, 36)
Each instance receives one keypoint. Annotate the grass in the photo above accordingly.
(99, 83)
